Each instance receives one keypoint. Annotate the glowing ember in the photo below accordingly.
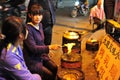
(93, 40)
(69, 77)
(69, 47)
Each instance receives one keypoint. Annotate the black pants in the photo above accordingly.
(46, 68)
(109, 8)
(48, 34)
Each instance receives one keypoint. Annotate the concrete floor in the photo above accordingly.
(64, 23)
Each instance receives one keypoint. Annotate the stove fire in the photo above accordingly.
(71, 42)
(69, 47)
(71, 58)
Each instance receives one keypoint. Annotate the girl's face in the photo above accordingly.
(36, 19)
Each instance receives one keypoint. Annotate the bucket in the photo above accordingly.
(71, 37)
(92, 45)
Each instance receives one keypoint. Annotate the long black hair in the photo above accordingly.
(16, 2)
(11, 28)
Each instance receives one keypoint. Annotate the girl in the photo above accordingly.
(35, 49)
(11, 52)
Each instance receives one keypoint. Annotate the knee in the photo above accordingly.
(55, 67)
(37, 77)
(47, 74)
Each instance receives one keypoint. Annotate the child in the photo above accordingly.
(49, 18)
(11, 52)
(36, 52)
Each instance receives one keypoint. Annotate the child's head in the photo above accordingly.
(35, 13)
(12, 28)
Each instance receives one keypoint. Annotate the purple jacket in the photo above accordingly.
(13, 56)
(34, 44)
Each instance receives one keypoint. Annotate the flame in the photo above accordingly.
(69, 47)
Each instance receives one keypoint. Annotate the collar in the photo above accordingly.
(35, 26)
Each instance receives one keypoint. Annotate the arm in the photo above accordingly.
(18, 68)
(91, 16)
(90, 20)
(35, 41)
(103, 16)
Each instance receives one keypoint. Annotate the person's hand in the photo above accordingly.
(90, 21)
(54, 47)
(103, 21)
(2, 36)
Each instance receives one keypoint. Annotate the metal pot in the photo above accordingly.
(73, 61)
(92, 45)
(71, 37)
(70, 74)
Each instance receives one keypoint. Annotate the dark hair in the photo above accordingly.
(11, 28)
(35, 9)
(16, 2)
